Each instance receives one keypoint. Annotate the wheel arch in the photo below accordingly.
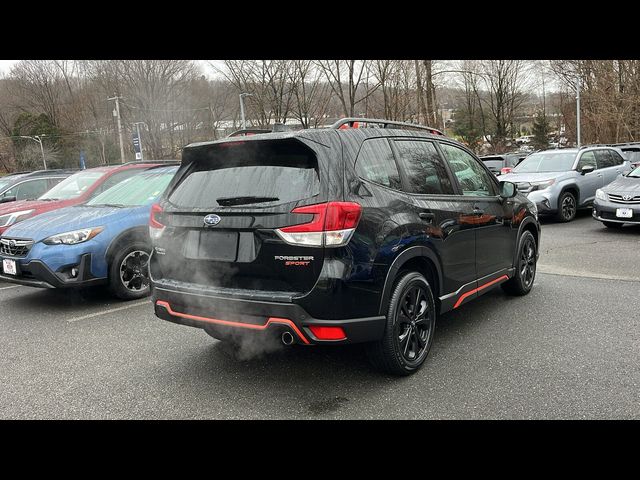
(574, 189)
(130, 235)
(417, 258)
(527, 225)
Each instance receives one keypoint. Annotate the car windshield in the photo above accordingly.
(138, 190)
(73, 186)
(634, 173)
(546, 162)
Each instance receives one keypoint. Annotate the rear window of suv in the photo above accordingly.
(248, 173)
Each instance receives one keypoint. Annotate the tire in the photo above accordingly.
(129, 271)
(392, 354)
(522, 281)
(613, 225)
(567, 207)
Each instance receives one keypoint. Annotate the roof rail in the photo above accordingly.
(142, 162)
(350, 121)
(248, 131)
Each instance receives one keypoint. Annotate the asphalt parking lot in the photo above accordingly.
(569, 350)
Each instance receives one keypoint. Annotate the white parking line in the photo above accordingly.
(12, 286)
(110, 310)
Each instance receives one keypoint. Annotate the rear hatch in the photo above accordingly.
(494, 164)
(220, 215)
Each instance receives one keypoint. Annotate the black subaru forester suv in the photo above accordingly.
(362, 232)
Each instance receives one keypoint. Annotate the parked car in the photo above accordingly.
(30, 185)
(73, 190)
(631, 152)
(337, 235)
(104, 241)
(562, 181)
(619, 202)
(503, 163)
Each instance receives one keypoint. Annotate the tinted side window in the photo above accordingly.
(375, 162)
(604, 159)
(617, 159)
(32, 189)
(425, 171)
(473, 179)
(587, 158)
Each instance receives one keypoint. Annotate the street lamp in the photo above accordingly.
(37, 138)
(242, 120)
(578, 86)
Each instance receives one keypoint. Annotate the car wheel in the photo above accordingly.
(129, 271)
(522, 281)
(613, 225)
(567, 207)
(409, 328)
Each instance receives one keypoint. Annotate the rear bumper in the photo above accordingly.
(36, 273)
(229, 315)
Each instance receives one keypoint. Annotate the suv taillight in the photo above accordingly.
(332, 225)
(505, 170)
(155, 227)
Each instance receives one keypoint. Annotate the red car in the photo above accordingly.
(78, 188)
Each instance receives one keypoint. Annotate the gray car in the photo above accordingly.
(619, 202)
(561, 181)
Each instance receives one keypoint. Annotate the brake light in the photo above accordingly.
(155, 226)
(505, 170)
(332, 225)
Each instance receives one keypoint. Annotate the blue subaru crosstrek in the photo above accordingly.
(103, 241)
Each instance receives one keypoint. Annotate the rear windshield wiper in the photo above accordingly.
(230, 201)
(49, 199)
(116, 205)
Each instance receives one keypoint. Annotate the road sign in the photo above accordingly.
(136, 146)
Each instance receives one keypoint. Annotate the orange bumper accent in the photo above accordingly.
(229, 323)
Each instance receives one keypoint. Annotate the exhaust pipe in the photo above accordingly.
(287, 338)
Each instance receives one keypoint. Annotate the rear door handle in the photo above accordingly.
(427, 216)
(478, 211)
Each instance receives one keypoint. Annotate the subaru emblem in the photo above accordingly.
(211, 220)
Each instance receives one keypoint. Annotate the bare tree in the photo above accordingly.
(347, 79)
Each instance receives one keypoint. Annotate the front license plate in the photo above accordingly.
(624, 213)
(9, 267)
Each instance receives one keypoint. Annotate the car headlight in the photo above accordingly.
(11, 218)
(542, 185)
(73, 238)
(600, 195)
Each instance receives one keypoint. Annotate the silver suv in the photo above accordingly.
(560, 182)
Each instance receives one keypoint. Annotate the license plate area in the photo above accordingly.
(624, 213)
(217, 246)
(9, 267)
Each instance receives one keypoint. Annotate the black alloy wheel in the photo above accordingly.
(410, 327)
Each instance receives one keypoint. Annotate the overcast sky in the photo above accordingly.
(5, 66)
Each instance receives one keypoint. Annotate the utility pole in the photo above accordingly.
(117, 114)
(578, 86)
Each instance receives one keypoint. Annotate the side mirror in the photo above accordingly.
(587, 169)
(7, 199)
(508, 189)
